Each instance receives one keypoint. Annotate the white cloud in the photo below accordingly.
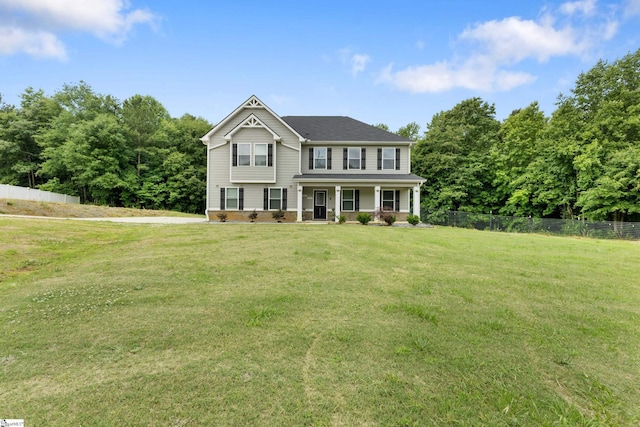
(632, 7)
(36, 23)
(358, 63)
(587, 7)
(499, 45)
(38, 43)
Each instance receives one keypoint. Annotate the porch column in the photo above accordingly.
(337, 203)
(376, 201)
(416, 200)
(299, 204)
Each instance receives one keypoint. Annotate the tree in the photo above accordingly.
(410, 131)
(454, 158)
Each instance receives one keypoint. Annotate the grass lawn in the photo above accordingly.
(279, 324)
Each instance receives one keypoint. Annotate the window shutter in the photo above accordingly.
(241, 198)
(344, 158)
(270, 155)
(222, 199)
(397, 201)
(284, 199)
(266, 199)
(310, 158)
(363, 158)
(357, 202)
(234, 155)
(379, 158)
(328, 158)
(397, 159)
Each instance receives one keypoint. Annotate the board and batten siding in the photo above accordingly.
(371, 153)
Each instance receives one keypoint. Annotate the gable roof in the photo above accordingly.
(252, 103)
(339, 128)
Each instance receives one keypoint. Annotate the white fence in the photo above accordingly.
(25, 193)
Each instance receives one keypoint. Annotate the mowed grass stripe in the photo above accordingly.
(261, 324)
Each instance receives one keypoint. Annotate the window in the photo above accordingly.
(388, 200)
(320, 158)
(348, 200)
(231, 198)
(260, 155)
(244, 154)
(275, 198)
(388, 158)
(354, 158)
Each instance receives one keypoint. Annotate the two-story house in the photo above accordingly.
(311, 167)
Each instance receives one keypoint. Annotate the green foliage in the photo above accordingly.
(413, 219)
(364, 218)
(385, 215)
(278, 215)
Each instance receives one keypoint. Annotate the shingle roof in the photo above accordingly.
(339, 128)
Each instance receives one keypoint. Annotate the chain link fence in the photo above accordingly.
(515, 224)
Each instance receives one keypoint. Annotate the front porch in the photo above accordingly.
(326, 202)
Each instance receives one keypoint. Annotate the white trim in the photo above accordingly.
(393, 191)
(326, 205)
(352, 200)
(349, 158)
(338, 202)
(211, 147)
(266, 154)
(382, 159)
(269, 198)
(252, 122)
(226, 198)
(300, 192)
(252, 102)
(247, 181)
(206, 209)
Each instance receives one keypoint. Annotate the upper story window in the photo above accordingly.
(388, 158)
(320, 158)
(260, 155)
(354, 158)
(244, 154)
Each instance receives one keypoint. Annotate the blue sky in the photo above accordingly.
(376, 61)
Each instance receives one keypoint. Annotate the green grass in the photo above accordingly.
(266, 324)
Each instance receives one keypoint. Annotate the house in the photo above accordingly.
(309, 166)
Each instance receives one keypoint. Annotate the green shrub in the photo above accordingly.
(278, 215)
(342, 219)
(413, 219)
(364, 218)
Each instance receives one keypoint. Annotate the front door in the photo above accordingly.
(320, 204)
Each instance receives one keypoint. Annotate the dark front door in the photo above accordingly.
(320, 204)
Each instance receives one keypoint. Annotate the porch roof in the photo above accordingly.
(369, 178)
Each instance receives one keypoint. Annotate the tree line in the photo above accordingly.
(108, 152)
(582, 161)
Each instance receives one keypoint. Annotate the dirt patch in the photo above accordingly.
(71, 210)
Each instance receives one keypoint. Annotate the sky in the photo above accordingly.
(391, 62)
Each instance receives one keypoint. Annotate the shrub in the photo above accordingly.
(386, 215)
(278, 215)
(222, 216)
(413, 219)
(342, 219)
(253, 215)
(364, 218)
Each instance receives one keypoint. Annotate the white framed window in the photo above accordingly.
(320, 158)
(231, 198)
(349, 200)
(244, 154)
(389, 200)
(275, 198)
(353, 159)
(260, 154)
(388, 158)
